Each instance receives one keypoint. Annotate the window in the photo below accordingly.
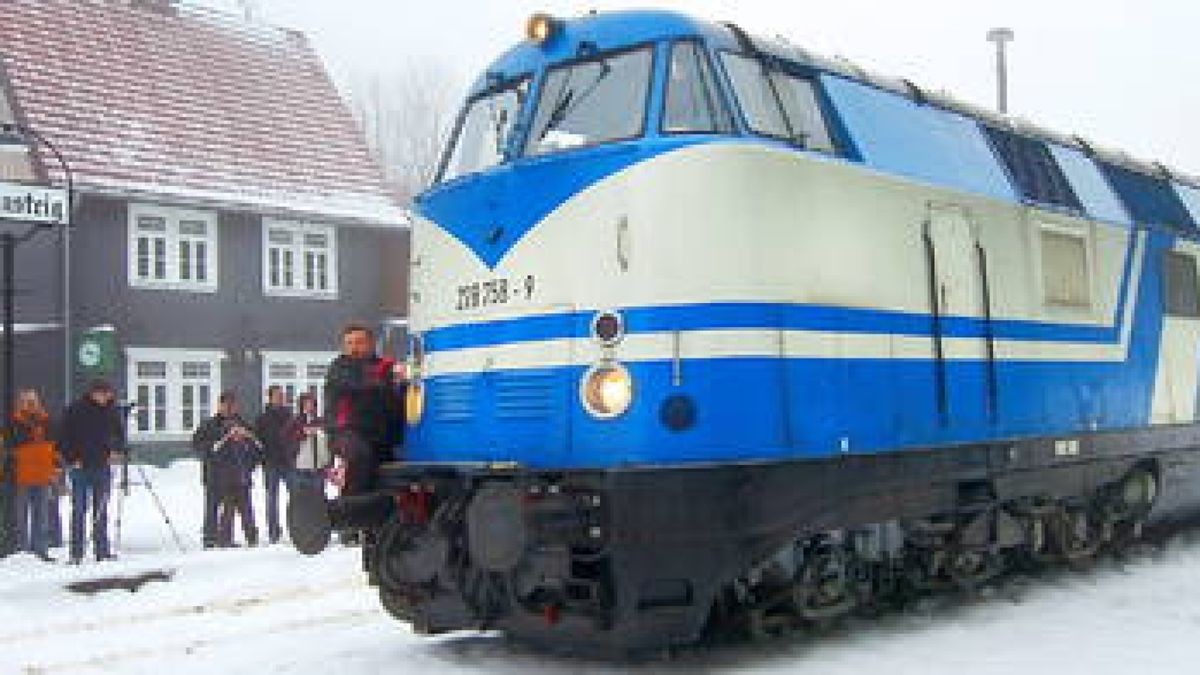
(590, 102)
(196, 397)
(1065, 278)
(778, 104)
(172, 248)
(297, 372)
(193, 251)
(175, 390)
(1183, 287)
(1034, 172)
(803, 111)
(1150, 200)
(694, 103)
(755, 94)
(485, 131)
(299, 259)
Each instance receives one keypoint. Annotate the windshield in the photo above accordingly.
(590, 102)
(484, 131)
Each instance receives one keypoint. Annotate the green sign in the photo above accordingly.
(96, 352)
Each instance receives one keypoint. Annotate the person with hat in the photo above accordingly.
(92, 439)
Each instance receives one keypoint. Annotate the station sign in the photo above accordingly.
(33, 204)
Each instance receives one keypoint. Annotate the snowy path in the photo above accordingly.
(271, 610)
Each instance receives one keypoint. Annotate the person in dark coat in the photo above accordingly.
(279, 454)
(229, 453)
(363, 407)
(92, 438)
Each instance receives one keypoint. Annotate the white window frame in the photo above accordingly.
(173, 239)
(299, 252)
(301, 382)
(175, 383)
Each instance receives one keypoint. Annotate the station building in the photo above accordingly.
(227, 215)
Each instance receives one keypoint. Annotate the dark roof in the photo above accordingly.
(185, 104)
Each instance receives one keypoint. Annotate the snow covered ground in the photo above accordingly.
(269, 609)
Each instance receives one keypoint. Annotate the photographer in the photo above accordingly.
(92, 439)
(229, 452)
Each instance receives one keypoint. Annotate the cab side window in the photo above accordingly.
(1183, 287)
(694, 103)
(779, 104)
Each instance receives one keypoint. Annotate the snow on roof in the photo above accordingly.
(153, 98)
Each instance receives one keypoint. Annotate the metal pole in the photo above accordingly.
(1001, 36)
(10, 476)
(1001, 79)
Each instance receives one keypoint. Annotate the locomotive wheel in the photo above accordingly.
(1076, 535)
(823, 589)
(1137, 494)
(409, 556)
(971, 569)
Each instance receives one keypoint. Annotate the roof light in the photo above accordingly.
(541, 28)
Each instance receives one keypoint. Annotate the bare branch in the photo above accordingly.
(405, 116)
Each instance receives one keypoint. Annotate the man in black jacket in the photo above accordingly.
(228, 452)
(92, 437)
(279, 454)
(363, 395)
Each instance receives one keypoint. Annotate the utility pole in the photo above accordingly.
(1001, 36)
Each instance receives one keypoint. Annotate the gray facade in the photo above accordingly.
(238, 320)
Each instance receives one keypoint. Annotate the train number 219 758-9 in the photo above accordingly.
(495, 292)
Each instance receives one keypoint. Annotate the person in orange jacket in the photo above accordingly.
(38, 466)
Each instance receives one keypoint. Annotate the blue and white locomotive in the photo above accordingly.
(713, 332)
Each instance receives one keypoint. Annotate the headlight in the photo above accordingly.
(541, 28)
(414, 403)
(606, 390)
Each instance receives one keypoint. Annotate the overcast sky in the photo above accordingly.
(1123, 74)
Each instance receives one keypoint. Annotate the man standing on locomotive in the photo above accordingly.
(364, 396)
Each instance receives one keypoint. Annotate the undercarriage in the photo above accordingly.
(621, 562)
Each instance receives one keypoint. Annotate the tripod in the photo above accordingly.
(126, 409)
(162, 510)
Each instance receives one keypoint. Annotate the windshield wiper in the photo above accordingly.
(567, 100)
(559, 113)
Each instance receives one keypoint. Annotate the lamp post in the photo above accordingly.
(21, 228)
(1001, 36)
